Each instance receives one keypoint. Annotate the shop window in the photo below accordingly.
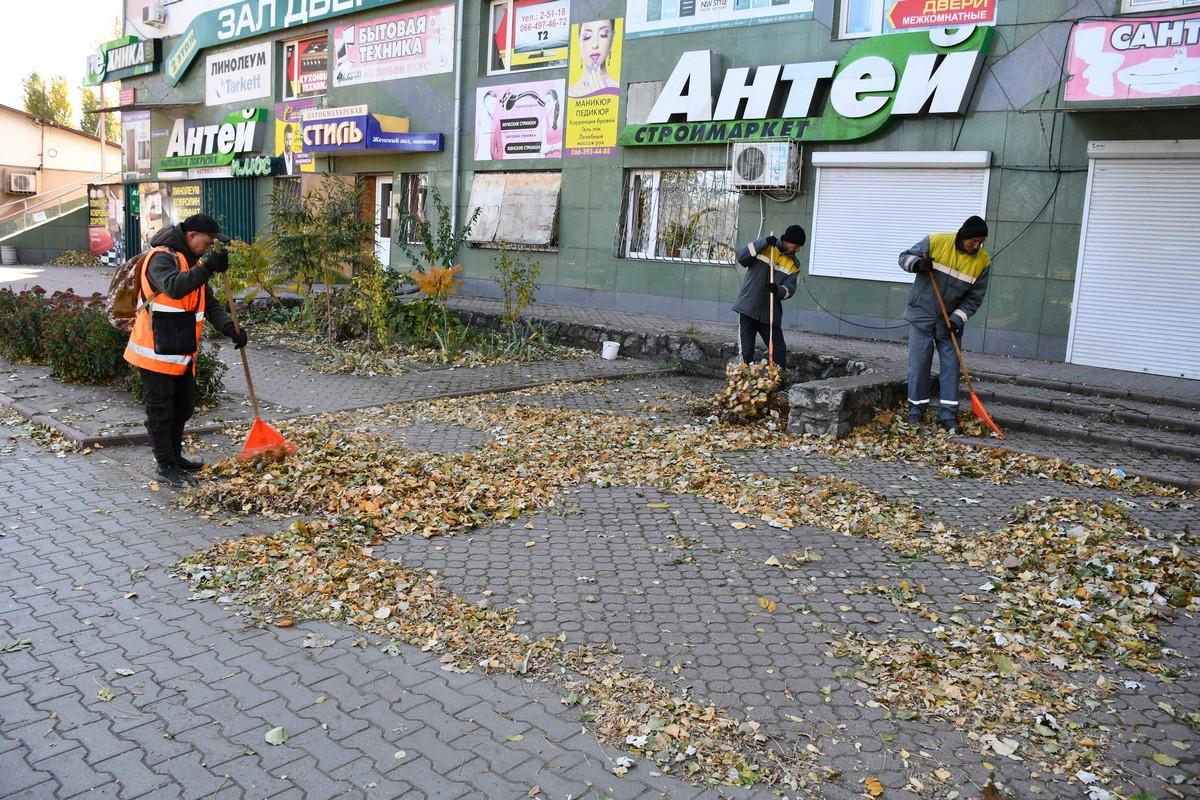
(528, 34)
(306, 67)
(1137, 6)
(515, 208)
(870, 206)
(290, 187)
(410, 206)
(860, 18)
(685, 214)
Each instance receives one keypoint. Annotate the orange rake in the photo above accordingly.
(263, 441)
(976, 406)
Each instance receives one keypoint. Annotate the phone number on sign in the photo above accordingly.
(590, 151)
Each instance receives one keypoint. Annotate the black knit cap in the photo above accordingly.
(794, 235)
(203, 223)
(973, 228)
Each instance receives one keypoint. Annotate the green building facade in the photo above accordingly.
(630, 147)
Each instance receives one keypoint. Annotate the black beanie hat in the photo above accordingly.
(794, 235)
(203, 223)
(973, 228)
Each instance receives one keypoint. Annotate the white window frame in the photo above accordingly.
(1138, 6)
(714, 227)
(410, 196)
(495, 64)
(875, 9)
(869, 207)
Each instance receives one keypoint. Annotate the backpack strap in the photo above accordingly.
(145, 265)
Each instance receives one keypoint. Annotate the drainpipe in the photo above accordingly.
(456, 159)
(103, 134)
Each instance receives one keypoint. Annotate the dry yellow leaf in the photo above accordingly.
(873, 786)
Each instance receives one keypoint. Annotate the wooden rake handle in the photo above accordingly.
(242, 350)
(953, 339)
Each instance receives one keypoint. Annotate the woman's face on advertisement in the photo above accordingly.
(595, 40)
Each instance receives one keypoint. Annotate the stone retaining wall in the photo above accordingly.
(830, 394)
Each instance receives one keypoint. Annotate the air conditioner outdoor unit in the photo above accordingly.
(764, 165)
(22, 183)
(154, 14)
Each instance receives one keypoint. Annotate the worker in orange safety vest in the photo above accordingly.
(174, 300)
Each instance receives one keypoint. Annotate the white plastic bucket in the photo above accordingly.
(609, 350)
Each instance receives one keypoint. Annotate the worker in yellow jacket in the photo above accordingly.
(961, 267)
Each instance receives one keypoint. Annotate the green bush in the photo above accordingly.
(335, 312)
(420, 321)
(80, 343)
(8, 310)
(210, 379)
(518, 279)
(21, 318)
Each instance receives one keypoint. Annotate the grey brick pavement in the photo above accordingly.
(88, 548)
(89, 585)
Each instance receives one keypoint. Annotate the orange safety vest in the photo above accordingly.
(140, 350)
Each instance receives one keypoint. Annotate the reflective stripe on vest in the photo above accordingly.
(140, 350)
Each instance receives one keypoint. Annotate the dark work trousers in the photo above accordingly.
(170, 402)
(922, 340)
(751, 329)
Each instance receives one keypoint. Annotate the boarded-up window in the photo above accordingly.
(516, 208)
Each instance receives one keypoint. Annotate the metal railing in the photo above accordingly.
(41, 208)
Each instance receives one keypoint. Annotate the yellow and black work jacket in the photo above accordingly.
(961, 277)
(140, 350)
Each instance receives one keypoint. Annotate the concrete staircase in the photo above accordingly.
(1158, 425)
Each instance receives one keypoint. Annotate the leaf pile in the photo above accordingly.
(751, 391)
(1074, 584)
(886, 439)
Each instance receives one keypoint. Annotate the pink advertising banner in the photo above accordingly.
(519, 120)
(1134, 58)
(399, 46)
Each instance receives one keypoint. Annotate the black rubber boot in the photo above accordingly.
(951, 426)
(185, 464)
(164, 453)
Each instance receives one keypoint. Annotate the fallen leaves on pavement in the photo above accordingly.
(1073, 583)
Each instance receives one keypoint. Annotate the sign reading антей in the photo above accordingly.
(903, 74)
(193, 146)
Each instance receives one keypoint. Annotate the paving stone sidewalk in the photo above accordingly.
(90, 549)
(126, 687)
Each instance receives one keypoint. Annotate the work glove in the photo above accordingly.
(236, 335)
(772, 241)
(925, 264)
(217, 262)
(956, 325)
(778, 290)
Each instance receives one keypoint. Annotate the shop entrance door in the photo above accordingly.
(383, 219)
(1137, 286)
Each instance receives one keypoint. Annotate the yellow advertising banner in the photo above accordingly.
(594, 90)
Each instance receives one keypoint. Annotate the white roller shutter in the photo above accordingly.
(870, 206)
(1137, 286)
